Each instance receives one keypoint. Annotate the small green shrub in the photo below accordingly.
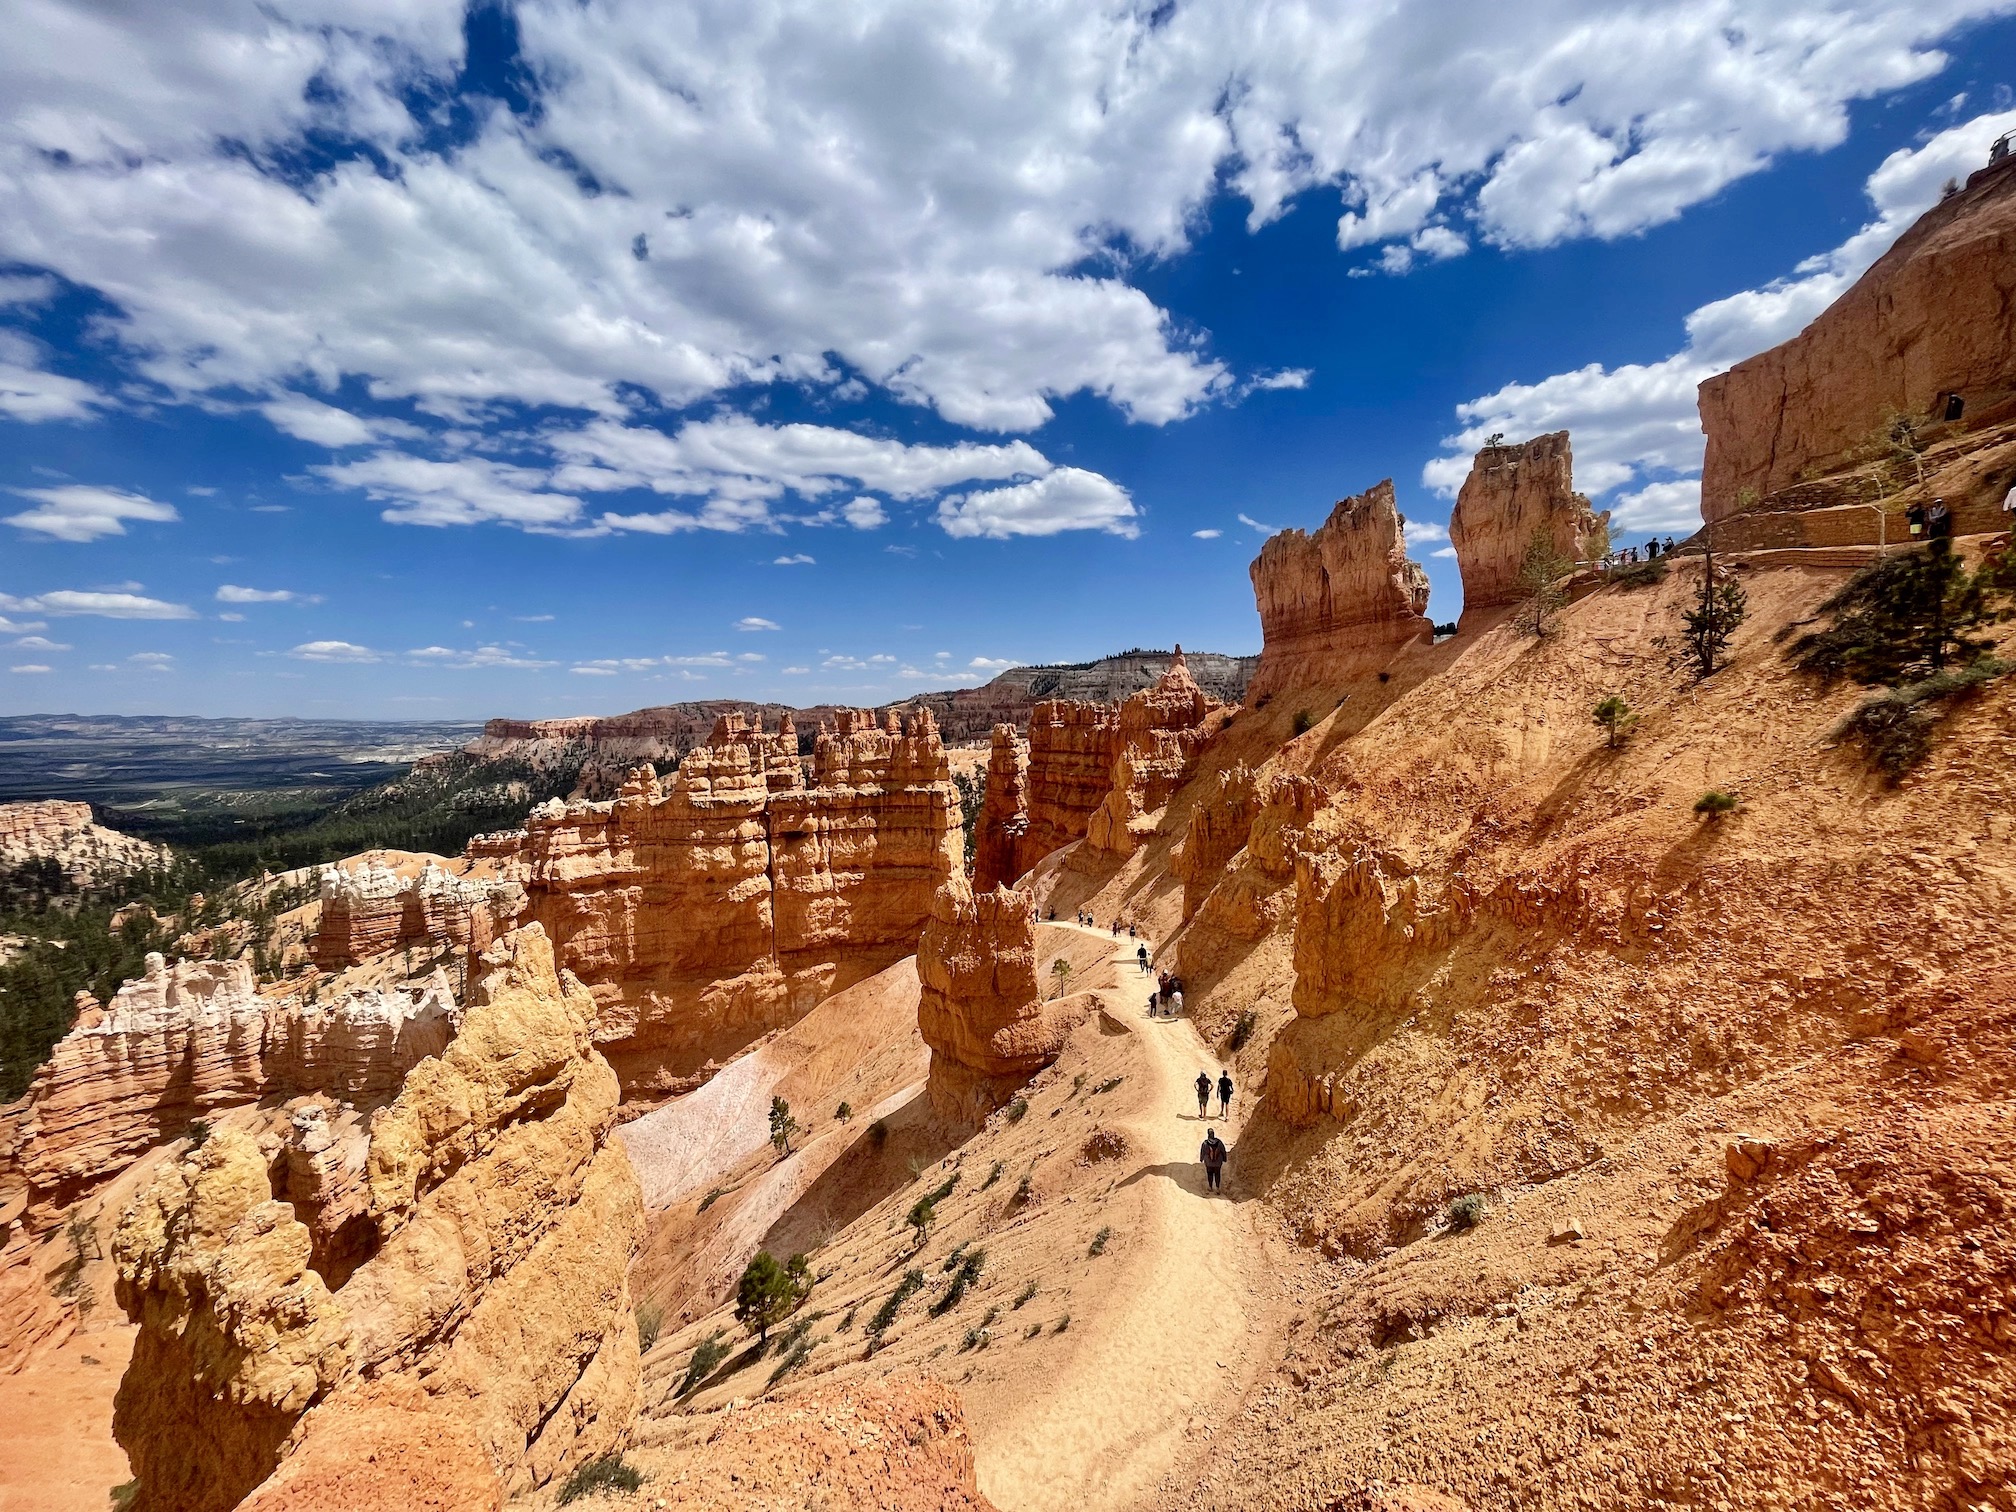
(609, 1473)
(1026, 1295)
(1304, 721)
(1035, 1329)
(1464, 1212)
(800, 1352)
(1242, 1031)
(1714, 803)
(714, 1195)
(1099, 1243)
(199, 1133)
(969, 1272)
(1648, 574)
(1018, 1109)
(847, 1322)
(1025, 1189)
(123, 1495)
(650, 1319)
(909, 1286)
(1894, 728)
(952, 1260)
(844, 1112)
(976, 1338)
(1062, 1323)
(707, 1356)
(993, 1176)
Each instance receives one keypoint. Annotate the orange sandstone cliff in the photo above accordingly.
(981, 1011)
(1515, 496)
(722, 902)
(443, 1291)
(1933, 317)
(1340, 601)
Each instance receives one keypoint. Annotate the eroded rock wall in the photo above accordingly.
(1515, 496)
(1935, 315)
(55, 830)
(1339, 602)
(183, 1042)
(1162, 733)
(478, 1306)
(725, 900)
(371, 909)
(1072, 749)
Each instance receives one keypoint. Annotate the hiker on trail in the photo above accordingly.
(2009, 500)
(1130, 931)
(1175, 1002)
(1669, 545)
(1151, 1005)
(1915, 518)
(1141, 955)
(1224, 1093)
(1939, 524)
(1214, 1155)
(1203, 1093)
(1116, 929)
(1652, 548)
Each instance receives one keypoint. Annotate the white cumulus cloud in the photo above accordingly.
(1068, 499)
(81, 512)
(107, 604)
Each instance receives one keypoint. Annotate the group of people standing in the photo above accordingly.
(1631, 556)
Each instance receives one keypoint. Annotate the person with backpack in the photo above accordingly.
(1151, 1005)
(1141, 955)
(1203, 1093)
(1224, 1093)
(1214, 1155)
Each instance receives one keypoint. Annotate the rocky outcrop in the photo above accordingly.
(370, 908)
(896, 1445)
(1245, 892)
(478, 1311)
(184, 1042)
(1011, 698)
(998, 850)
(722, 902)
(982, 1011)
(1219, 825)
(1338, 603)
(1162, 733)
(1072, 749)
(1353, 924)
(1514, 497)
(55, 830)
(1934, 316)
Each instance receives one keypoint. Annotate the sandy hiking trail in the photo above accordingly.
(1193, 1316)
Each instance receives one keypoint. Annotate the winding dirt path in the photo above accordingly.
(1192, 1319)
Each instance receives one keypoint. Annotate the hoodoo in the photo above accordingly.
(1515, 497)
(445, 1288)
(1338, 602)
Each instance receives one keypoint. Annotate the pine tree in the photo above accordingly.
(1540, 575)
(1898, 619)
(1717, 610)
(1616, 717)
(782, 1125)
(768, 1293)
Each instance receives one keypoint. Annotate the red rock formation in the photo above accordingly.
(982, 1011)
(370, 908)
(1162, 734)
(53, 829)
(1513, 495)
(1004, 813)
(1246, 894)
(479, 1311)
(726, 900)
(1072, 748)
(1337, 604)
(1219, 825)
(1935, 315)
(183, 1043)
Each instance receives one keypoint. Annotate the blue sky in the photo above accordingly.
(390, 359)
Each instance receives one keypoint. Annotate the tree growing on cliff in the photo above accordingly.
(1540, 583)
(1616, 717)
(768, 1293)
(782, 1125)
(1708, 623)
(1902, 618)
(1061, 970)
